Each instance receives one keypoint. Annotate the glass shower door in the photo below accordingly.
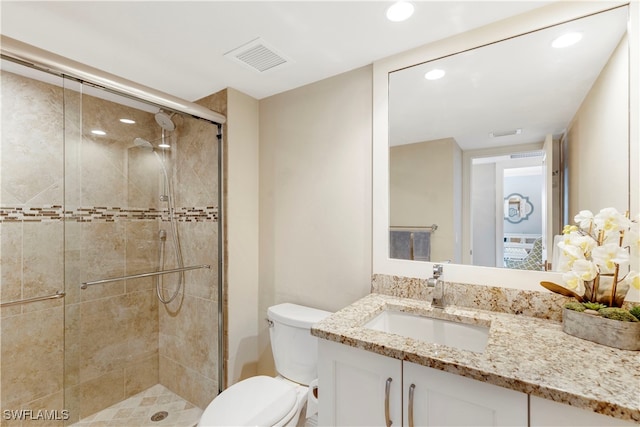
(140, 190)
(97, 186)
(111, 329)
(31, 247)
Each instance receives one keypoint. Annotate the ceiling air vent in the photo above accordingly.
(505, 133)
(258, 56)
(527, 154)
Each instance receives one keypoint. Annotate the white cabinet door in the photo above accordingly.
(549, 413)
(445, 399)
(352, 385)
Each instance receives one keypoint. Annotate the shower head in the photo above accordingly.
(164, 120)
(143, 143)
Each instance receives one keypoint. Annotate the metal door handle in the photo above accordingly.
(387, 390)
(412, 390)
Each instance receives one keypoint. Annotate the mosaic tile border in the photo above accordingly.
(104, 214)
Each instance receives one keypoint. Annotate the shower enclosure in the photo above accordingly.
(109, 247)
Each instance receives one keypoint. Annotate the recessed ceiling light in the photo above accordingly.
(98, 132)
(434, 74)
(566, 40)
(399, 11)
(128, 121)
(164, 146)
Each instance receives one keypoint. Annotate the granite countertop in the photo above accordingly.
(523, 353)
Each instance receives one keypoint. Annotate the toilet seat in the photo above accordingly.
(261, 400)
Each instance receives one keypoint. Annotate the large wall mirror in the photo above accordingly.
(493, 147)
(509, 114)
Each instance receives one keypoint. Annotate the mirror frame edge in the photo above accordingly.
(545, 16)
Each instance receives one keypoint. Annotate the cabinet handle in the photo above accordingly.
(387, 390)
(412, 390)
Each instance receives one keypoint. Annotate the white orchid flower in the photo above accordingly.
(573, 282)
(633, 279)
(564, 266)
(607, 256)
(584, 219)
(585, 242)
(569, 254)
(611, 221)
(567, 236)
(569, 229)
(632, 239)
(585, 269)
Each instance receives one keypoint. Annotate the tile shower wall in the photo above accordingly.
(114, 340)
(191, 321)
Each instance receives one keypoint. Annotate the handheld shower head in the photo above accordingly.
(164, 120)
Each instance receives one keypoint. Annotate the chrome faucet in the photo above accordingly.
(437, 295)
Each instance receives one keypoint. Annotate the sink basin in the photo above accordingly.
(462, 336)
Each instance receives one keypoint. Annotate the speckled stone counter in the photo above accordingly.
(526, 354)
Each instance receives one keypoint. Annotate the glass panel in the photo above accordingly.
(140, 196)
(31, 243)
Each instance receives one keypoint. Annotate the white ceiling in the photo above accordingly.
(178, 46)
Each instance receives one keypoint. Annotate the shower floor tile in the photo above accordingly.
(137, 410)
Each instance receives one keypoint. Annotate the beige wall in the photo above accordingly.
(242, 235)
(424, 190)
(599, 140)
(315, 197)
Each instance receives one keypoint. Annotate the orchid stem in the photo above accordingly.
(594, 291)
(614, 285)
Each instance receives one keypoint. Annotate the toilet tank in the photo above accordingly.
(295, 350)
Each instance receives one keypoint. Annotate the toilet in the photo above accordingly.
(269, 401)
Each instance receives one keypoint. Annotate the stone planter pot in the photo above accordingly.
(612, 333)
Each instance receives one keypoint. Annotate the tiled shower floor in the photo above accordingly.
(137, 410)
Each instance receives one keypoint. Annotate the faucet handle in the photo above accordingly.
(437, 270)
(435, 282)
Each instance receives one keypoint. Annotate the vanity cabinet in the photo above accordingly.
(353, 386)
(362, 388)
(438, 398)
(358, 387)
(547, 413)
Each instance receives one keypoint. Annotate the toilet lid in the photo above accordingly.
(255, 401)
